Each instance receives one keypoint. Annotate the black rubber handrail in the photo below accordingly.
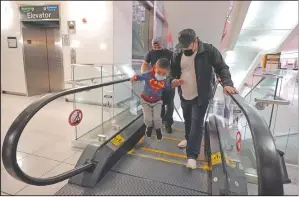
(9, 148)
(270, 180)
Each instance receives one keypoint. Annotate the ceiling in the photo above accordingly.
(266, 26)
(207, 18)
(267, 23)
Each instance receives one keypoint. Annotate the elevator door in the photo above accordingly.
(42, 60)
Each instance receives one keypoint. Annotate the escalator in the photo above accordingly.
(130, 164)
(151, 168)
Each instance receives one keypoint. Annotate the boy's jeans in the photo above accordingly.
(194, 119)
(152, 114)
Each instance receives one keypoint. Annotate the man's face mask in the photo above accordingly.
(157, 47)
(189, 51)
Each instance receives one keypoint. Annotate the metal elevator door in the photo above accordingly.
(42, 60)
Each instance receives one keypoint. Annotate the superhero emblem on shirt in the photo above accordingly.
(156, 85)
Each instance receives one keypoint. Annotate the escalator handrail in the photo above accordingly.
(270, 180)
(10, 143)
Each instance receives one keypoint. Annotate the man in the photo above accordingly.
(152, 56)
(192, 69)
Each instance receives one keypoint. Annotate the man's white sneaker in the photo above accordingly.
(191, 163)
(182, 144)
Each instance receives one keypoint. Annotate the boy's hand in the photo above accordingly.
(176, 82)
(134, 78)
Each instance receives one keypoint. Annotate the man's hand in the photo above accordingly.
(144, 67)
(176, 82)
(230, 90)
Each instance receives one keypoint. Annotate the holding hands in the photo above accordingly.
(177, 82)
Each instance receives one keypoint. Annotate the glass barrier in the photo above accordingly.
(108, 109)
(235, 142)
(282, 116)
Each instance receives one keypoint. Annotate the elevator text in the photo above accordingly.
(38, 16)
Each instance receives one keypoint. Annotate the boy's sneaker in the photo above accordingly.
(168, 129)
(182, 144)
(159, 134)
(148, 131)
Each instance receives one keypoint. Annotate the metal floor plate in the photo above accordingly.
(120, 184)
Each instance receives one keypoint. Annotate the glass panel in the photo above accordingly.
(107, 109)
(281, 119)
(140, 31)
(235, 140)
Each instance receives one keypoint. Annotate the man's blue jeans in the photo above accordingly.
(194, 119)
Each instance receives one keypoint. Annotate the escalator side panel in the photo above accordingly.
(106, 156)
(217, 173)
(94, 153)
(117, 184)
(235, 182)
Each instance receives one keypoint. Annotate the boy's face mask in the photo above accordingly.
(160, 78)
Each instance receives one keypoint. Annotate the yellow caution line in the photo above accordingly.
(171, 138)
(138, 143)
(204, 167)
(166, 153)
(216, 159)
(179, 129)
(175, 139)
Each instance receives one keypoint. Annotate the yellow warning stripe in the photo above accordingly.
(179, 129)
(204, 167)
(171, 138)
(163, 152)
(166, 153)
(174, 139)
(138, 143)
(160, 151)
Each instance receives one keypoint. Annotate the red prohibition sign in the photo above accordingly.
(75, 117)
(238, 142)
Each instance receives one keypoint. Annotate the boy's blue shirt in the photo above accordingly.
(153, 88)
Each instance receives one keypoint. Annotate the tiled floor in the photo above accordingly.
(45, 146)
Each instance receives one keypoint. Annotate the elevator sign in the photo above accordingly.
(37, 13)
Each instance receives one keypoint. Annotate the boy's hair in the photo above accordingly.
(163, 63)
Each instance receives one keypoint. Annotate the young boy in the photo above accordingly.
(155, 83)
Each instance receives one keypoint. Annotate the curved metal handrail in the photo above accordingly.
(9, 148)
(270, 180)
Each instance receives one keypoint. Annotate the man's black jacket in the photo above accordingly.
(207, 60)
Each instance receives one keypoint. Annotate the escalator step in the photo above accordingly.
(163, 172)
(120, 184)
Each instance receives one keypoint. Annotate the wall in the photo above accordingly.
(122, 46)
(108, 31)
(12, 65)
(207, 18)
(238, 14)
